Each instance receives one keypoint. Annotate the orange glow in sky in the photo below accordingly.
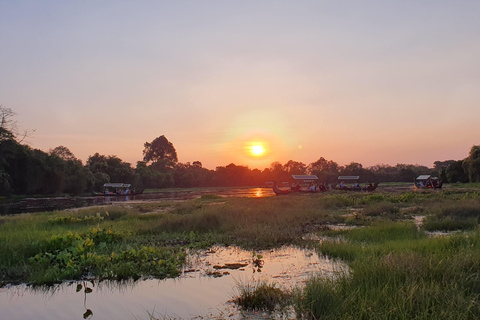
(371, 84)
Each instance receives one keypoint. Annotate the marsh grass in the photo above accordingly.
(396, 272)
(262, 296)
(384, 209)
(453, 215)
(26, 240)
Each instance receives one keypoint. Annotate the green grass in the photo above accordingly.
(262, 296)
(396, 270)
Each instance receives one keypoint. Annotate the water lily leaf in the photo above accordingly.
(79, 287)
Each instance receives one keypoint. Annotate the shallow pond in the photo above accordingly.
(203, 291)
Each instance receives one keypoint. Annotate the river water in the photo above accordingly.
(61, 203)
(203, 291)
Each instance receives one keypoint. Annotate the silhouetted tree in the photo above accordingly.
(295, 167)
(278, 172)
(9, 128)
(161, 153)
(76, 177)
(232, 175)
(324, 170)
(109, 169)
(192, 175)
(356, 169)
(471, 164)
(456, 173)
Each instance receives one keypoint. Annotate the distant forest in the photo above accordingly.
(27, 171)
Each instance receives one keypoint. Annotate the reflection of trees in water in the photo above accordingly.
(83, 287)
(86, 290)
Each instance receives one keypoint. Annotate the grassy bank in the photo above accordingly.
(397, 270)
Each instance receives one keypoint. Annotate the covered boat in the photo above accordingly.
(118, 189)
(299, 183)
(350, 183)
(426, 181)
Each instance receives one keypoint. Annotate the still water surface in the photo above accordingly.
(61, 203)
(203, 291)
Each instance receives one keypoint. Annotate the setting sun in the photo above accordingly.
(257, 150)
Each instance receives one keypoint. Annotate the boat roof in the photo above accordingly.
(304, 177)
(117, 185)
(425, 177)
(348, 177)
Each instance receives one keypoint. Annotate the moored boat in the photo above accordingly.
(299, 184)
(350, 183)
(426, 181)
(118, 189)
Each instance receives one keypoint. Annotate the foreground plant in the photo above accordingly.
(95, 254)
(262, 296)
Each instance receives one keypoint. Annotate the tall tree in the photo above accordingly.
(161, 153)
(63, 153)
(325, 170)
(471, 164)
(455, 172)
(295, 167)
(76, 176)
(9, 128)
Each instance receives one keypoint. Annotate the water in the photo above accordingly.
(61, 203)
(203, 291)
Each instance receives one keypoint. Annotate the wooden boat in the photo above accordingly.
(300, 184)
(353, 185)
(279, 191)
(426, 181)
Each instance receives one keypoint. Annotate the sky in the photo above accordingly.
(373, 82)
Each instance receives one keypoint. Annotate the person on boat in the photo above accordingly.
(342, 184)
(296, 187)
(312, 187)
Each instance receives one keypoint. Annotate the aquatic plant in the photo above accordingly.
(262, 295)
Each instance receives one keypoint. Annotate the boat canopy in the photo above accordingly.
(425, 177)
(117, 185)
(348, 177)
(304, 177)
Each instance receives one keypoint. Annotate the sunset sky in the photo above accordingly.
(366, 81)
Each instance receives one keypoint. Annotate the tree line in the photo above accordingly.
(28, 171)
